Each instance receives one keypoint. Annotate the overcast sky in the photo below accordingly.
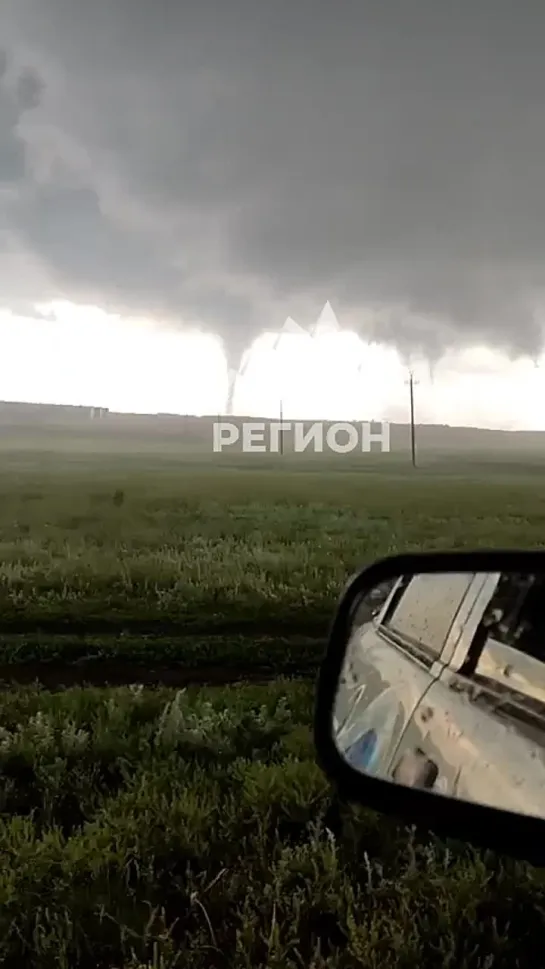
(229, 163)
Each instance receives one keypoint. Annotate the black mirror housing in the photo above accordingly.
(519, 835)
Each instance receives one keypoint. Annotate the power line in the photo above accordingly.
(412, 382)
(293, 328)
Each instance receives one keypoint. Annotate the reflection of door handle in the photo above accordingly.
(415, 769)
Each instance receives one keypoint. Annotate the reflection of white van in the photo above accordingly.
(431, 697)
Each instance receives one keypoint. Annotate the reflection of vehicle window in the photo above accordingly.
(423, 614)
(529, 634)
(368, 606)
(512, 657)
(514, 613)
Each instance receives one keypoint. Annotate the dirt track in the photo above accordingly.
(120, 672)
(109, 673)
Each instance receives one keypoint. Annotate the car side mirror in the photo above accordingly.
(434, 711)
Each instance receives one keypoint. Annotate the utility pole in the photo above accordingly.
(412, 383)
(281, 428)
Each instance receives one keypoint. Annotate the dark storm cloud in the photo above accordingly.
(229, 162)
(12, 148)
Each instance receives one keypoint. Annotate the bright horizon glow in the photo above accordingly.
(85, 356)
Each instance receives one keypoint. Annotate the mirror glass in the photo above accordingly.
(443, 687)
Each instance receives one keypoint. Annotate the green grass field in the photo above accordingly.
(183, 825)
